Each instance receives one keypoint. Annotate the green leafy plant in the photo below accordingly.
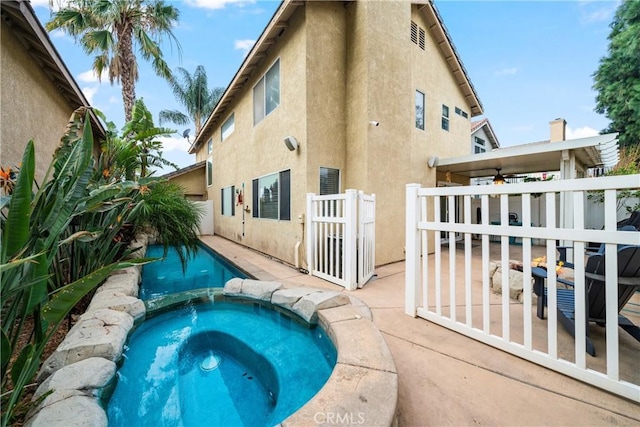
(35, 234)
(628, 164)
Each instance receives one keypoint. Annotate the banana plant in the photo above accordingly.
(35, 235)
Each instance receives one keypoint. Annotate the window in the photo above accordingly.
(479, 145)
(272, 196)
(209, 145)
(226, 200)
(419, 110)
(227, 127)
(266, 93)
(329, 181)
(462, 113)
(209, 171)
(445, 117)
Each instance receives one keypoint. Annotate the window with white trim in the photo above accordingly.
(209, 171)
(445, 117)
(329, 181)
(272, 196)
(419, 110)
(479, 145)
(266, 93)
(227, 127)
(227, 195)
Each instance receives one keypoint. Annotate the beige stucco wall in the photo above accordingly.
(254, 151)
(341, 67)
(194, 184)
(31, 107)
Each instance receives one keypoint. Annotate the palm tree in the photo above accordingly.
(194, 94)
(111, 28)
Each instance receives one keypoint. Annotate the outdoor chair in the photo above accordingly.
(628, 283)
(592, 248)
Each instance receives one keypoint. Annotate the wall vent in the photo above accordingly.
(414, 32)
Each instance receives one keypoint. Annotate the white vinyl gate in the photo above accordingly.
(462, 302)
(341, 237)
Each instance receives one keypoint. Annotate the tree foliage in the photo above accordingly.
(112, 29)
(63, 238)
(192, 91)
(617, 79)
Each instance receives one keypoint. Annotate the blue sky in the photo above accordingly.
(530, 61)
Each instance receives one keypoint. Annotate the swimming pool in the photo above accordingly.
(205, 270)
(219, 364)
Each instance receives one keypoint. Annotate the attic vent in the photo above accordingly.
(414, 32)
(421, 39)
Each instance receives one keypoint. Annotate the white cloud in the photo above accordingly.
(244, 45)
(89, 92)
(582, 132)
(90, 76)
(114, 100)
(593, 12)
(174, 143)
(40, 3)
(506, 71)
(218, 4)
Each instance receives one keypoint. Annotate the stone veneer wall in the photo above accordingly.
(362, 388)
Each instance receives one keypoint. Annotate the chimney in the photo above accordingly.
(558, 130)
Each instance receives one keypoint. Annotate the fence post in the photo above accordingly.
(412, 255)
(351, 219)
(311, 252)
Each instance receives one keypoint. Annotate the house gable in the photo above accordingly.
(348, 73)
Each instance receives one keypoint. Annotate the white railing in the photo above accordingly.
(366, 237)
(341, 237)
(434, 293)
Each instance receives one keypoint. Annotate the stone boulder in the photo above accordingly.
(98, 333)
(308, 306)
(127, 283)
(287, 298)
(116, 300)
(71, 409)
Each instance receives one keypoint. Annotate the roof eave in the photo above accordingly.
(269, 36)
(442, 37)
(55, 66)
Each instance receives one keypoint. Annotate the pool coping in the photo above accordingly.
(362, 389)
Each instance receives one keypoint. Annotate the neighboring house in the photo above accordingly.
(38, 92)
(192, 179)
(335, 96)
(483, 138)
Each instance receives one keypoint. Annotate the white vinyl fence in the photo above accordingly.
(341, 237)
(465, 305)
(205, 227)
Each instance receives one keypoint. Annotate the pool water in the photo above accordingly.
(219, 364)
(205, 270)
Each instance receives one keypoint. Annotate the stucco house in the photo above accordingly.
(192, 179)
(38, 92)
(483, 138)
(335, 96)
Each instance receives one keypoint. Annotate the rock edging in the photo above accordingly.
(363, 387)
(85, 361)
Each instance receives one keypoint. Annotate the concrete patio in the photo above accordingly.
(448, 379)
